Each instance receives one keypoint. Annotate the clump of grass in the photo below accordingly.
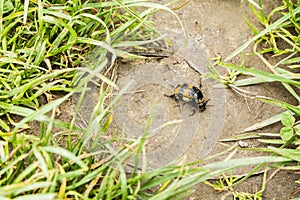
(279, 37)
(34, 170)
(42, 42)
(271, 36)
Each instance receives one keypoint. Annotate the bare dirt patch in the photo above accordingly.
(214, 28)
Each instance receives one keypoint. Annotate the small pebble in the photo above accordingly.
(243, 144)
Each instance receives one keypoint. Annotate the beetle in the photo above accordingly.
(189, 93)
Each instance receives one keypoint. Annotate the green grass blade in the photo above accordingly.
(281, 104)
(57, 46)
(272, 141)
(254, 4)
(239, 162)
(293, 154)
(1, 16)
(291, 91)
(29, 169)
(103, 187)
(26, 5)
(261, 74)
(25, 112)
(41, 160)
(42, 111)
(273, 26)
(41, 54)
(136, 43)
(44, 196)
(251, 26)
(66, 154)
(12, 164)
(22, 187)
(267, 122)
(242, 136)
(108, 39)
(252, 81)
(4, 125)
(98, 43)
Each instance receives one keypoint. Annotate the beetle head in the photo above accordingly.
(202, 104)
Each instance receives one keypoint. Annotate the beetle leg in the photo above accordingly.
(194, 105)
(194, 111)
(200, 84)
(176, 106)
(171, 96)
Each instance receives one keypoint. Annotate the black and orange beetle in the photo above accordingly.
(189, 93)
